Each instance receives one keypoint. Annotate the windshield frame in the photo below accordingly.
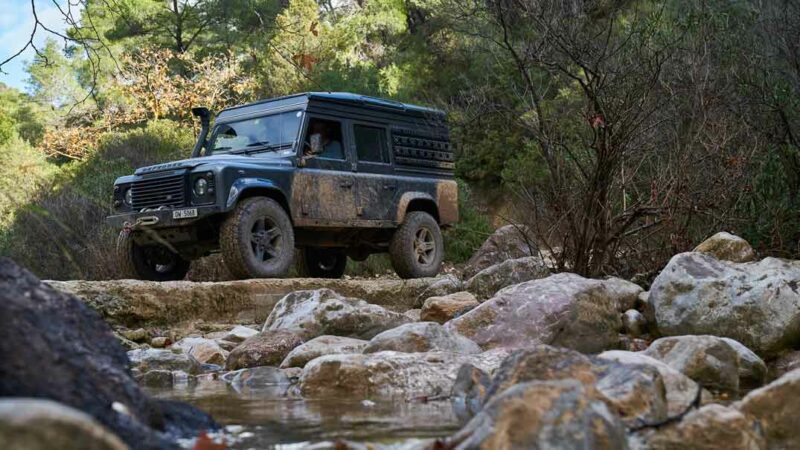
(260, 150)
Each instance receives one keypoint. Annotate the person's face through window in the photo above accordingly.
(323, 130)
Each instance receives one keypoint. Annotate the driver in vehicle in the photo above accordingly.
(322, 143)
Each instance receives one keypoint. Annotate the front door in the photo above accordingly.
(323, 191)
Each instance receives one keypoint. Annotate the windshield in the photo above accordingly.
(268, 133)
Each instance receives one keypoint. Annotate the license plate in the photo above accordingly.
(184, 213)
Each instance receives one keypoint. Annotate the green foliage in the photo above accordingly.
(468, 234)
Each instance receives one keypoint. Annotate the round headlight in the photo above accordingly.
(128, 197)
(201, 187)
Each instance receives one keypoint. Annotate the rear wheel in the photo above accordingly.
(257, 239)
(151, 262)
(417, 248)
(317, 262)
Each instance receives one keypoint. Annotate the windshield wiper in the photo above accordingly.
(263, 147)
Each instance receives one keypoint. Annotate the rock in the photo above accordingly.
(157, 378)
(784, 364)
(632, 344)
(158, 359)
(320, 312)
(757, 304)
(135, 303)
(36, 424)
(711, 361)
(710, 427)
(137, 335)
(53, 346)
(205, 351)
(634, 323)
(387, 374)
(507, 242)
(239, 334)
(635, 392)
(752, 369)
(228, 346)
(259, 377)
(441, 309)
(413, 314)
(775, 407)
(681, 391)
(469, 391)
(561, 414)
(564, 310)
(268, 348)
(645, 306)
(488, 281)
(321, 346)
(160, 342)
(420, 337)
(727, 247)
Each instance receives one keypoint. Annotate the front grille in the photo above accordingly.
(156, 192)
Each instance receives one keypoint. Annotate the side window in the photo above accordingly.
(324, 139)
(371, 144)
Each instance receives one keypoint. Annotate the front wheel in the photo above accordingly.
(317, 262)
(257, 239)
(151, 262)
(417, 248)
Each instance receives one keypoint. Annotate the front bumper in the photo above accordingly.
(159, 218)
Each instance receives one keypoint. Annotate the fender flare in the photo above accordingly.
(407, 198)
(245, 184)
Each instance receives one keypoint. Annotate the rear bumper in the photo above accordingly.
(159, 219)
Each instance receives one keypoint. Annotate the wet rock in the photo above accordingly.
(420, 337)
(469, 391)
(259, 377)
(710, 427)
(727, 247)
(711, 361)
(561, 414)
(564, 310)
(156, 378)
(36, 424)
(757, 304)
(205, 351)
(160, 342)
(321, 312)
(507, 242)
(159, 359)
(268, 348)
(321, 346)
(137, 335)
(634, 323)
(441, 309)
(413, 314)
(635, 392)
(775, 407)
(239, 333)
(53, 346)
(488, 281)
(784, 364)
(680, 391)
(386, 374)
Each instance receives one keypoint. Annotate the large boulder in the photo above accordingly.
(564, 310)
(205, 351)
(420, 337)
(321, 346)
(757, 303)
(387, 374)
(35, 424)
(321, 312)
(708, 360)
(267, 348)
(727, 247)
(441, 309)
(53, 346)
(710, 427)
(507, 242)
(681, 391)
(775, 407)
(485, 283)
(562, 414)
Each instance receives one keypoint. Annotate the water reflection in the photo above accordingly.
(268, 418)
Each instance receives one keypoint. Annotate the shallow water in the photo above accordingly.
(268, 419)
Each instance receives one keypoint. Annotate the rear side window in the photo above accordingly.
(371, 144)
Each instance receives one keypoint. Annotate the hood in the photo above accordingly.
(213, 159)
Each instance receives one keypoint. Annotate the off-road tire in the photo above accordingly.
(134, 262)
(236, 236)
(402, 250)
(319, 262)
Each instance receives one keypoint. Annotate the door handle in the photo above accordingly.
(389, 187)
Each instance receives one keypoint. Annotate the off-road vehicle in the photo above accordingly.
(324, 176)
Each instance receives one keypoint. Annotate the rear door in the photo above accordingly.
(375, 180)
(324, 191)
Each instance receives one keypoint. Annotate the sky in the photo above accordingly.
(16, 24)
